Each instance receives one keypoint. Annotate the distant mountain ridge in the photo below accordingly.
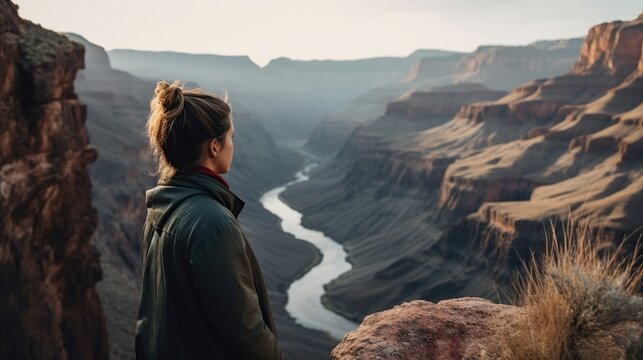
(495, 66)
(296, 93)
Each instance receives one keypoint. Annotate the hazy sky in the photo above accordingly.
(321, 29)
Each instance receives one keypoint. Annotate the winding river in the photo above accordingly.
(304, 295)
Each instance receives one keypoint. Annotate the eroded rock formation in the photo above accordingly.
(583, 159)
(49, 308)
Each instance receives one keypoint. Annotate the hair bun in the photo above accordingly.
(170, 96)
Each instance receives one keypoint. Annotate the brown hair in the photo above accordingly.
(180, 121)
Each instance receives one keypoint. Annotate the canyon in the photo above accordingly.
(435, 207)
(289, 95)
(438, 172)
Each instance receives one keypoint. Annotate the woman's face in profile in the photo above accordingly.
(224, 160)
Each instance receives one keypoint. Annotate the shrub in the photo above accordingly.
(578, 302)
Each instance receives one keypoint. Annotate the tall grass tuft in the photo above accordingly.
(578, 301)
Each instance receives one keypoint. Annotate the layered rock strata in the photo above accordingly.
(451, 209)
(495, 67)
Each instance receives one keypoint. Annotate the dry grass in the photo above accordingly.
(579, 302)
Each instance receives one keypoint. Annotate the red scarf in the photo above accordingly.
(211, 173)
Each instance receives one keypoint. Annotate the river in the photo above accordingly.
(304, 295)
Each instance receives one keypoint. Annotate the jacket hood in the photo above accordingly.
(167, 196)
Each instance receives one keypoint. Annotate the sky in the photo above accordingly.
(321, 29)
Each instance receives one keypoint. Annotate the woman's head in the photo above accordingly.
(189, 127)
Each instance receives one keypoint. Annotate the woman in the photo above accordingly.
(203, 294)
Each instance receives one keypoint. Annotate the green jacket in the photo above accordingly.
(203, 294)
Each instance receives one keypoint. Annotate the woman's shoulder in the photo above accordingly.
(205, 218)
(206, 209)
(200, 217)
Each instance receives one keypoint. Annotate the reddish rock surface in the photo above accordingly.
(611, 48)
(448, 330)
(49, 308)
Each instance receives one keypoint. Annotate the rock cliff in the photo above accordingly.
(611, 48)
(49, 308)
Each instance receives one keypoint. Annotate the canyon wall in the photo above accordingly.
(585, 161)
(495, 67)
(449, 208)
(49, 308)
(504, 67)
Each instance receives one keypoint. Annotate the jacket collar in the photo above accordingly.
(207, 171)
(209, 185)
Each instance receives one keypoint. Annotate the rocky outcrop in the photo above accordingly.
(118, 105)
(611, 48)
(448, 330)
(49, 308)
(574, 304)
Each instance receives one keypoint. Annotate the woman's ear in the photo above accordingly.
(214, 148)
